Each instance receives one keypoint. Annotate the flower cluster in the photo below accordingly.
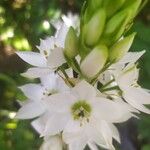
(88, 79)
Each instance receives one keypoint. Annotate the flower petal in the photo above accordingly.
(46, 46)
(36, 72)
(137, 97)
(40, 123)
(107, 134)
(55, 124)
(49, 81)
(94, 135)
(61, 35)
(104, 110)
(128, 76)
(115, 132)
(131, 57)
(33, 91)
(33, 58)
(78, 144)
(72, 131)
(60, 102)
(84, 91)
(31, 110)
(72, 126)
(56, 58)
(92, 146)
(52, 143)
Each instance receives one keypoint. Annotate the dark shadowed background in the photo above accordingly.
(22, 24)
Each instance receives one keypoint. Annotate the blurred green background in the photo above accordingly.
(22, 24)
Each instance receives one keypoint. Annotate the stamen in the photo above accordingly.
(81, 111)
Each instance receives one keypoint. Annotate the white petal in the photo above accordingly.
(53, 82)
(36, 72)
(78, 144)
(94, 135)
(46, 46)
(140, 95)
(49, 81)
(107, 134)
(128, 76)
(60, 102)
(31, 110)
(52, 143)
(56, 58)
(92, 146)
(84, 91)
(61, 35)
(72, 126)
(115, 132)
(72, 131)
(131, 57)
(40, 123)
(33, 91)
(137, 98)
(55, 124)
(104, 110)
(33, 58)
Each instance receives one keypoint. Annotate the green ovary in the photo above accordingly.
(81, 110)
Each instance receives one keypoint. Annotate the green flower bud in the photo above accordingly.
(94, 28)
(71, 43)
(112, 6)
(92, 7)
(118, 50)
(133, 5)
(116, 26)
(94, 61)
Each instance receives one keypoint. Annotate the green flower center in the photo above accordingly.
(81, 111)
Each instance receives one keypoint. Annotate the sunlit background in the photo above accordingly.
(22, 24)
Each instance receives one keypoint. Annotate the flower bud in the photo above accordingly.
(71, 43)
(133, 5)
(94, 4)
(112, 6)
(116, 26)
(94, 28)
(118, 50)
(94, 61)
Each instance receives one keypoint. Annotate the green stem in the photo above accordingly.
(108, 83)
(110, 89)
(66, 75)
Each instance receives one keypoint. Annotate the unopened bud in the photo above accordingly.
(118, 50)
(92, 7)
(94, 28)
(71, 43)
(94, 61)
(116, 26)
(94, 4)
(133, 5)
(112, 6)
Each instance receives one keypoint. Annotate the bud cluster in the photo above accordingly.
(103, 27)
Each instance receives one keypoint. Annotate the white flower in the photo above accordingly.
(52, 143)
(131, 91)
(130, 57)
(83, 117)
(69, 19)
(37, 93)
(50, 57)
